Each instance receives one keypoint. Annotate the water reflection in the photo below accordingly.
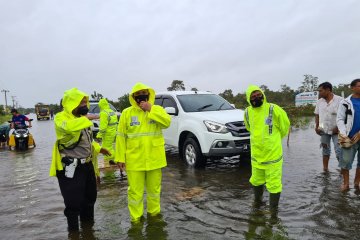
(262, 225)
(211, 203)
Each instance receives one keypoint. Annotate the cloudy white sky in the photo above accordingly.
(48, 46)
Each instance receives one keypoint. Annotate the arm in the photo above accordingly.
(158, 114)
(73, 125)
(121, 140)
(317, 130)
(340, 119)
(283, 122)
(103, 123)
(246, 115)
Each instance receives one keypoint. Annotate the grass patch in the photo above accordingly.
(5, 118)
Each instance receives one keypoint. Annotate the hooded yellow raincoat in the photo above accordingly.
(140, 145)
(107, 128)
(266, 146)
(68, 128)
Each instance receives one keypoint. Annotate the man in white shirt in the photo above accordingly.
(325, 120)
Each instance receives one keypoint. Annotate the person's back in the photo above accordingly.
(107, 128)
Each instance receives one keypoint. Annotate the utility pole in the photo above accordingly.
(13, 101)
(5, 91)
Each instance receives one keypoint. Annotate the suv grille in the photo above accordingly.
(237, 129)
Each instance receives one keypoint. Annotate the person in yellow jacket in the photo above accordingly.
(74, 158)
(107, 128)
(268, 124)
(140, 148)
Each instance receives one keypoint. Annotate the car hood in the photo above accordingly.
(222, 116)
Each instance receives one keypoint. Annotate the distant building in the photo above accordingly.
(305, 98)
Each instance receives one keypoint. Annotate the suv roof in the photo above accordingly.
(183, 92)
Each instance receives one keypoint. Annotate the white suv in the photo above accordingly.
(203, 125)
(95, 109)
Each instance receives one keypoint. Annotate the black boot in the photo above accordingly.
(87, 214)
(258, 193)
(274, 203)
(73, 222)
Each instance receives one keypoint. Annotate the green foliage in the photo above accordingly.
(123, 102)
(96, 96)
(342, 88)
(309, 84)
(176, 85)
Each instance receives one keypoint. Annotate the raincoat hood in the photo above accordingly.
(72, 99)
(250, 90)
(103, 104)
(140, 86)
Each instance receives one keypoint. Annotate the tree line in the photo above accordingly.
(284, 97)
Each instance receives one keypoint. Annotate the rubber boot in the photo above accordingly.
(258, 193)
(87, 214)
(274, 203)
(73, 222)
(357, 178)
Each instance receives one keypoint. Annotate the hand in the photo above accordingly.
(92, 116)
(335, 131)
(145, 106)
(356, 137)
(105, 151)
(121, 166)
(98, 180)
(317, 130)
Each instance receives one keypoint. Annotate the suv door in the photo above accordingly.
(170, 132)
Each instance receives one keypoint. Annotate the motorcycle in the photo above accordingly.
(21, 138)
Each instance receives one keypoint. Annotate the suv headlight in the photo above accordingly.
(215, 127)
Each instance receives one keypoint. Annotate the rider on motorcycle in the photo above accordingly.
(18, 120)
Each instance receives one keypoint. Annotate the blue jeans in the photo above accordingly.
(348, 156)
(326, 147)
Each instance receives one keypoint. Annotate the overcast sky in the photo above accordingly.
(48, 46)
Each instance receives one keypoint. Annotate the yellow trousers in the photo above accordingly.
(271, 176)
(137, 181)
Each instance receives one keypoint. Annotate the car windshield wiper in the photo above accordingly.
(203, 107)
(221, 106)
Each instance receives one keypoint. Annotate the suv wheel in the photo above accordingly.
(192, 153)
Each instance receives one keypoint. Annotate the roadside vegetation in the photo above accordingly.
(284, 97)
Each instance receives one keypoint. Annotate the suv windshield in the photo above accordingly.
(94, 108)
(203, 102)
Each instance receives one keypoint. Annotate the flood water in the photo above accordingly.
(210, 203)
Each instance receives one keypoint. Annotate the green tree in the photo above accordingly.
(228, 95)
(176, 85)
(342, 88)
(309, 84)
(96, 96)
(123, 102)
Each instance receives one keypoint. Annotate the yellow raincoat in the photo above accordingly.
(140, 145)
(266, 145)
(107, 128)
(68, 128)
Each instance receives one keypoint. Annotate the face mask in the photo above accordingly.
(257, 102)
(141, 98)
(83, 110)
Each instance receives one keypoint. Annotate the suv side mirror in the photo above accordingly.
(170, 110)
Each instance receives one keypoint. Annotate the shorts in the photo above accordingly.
(348, 156)
(325, 139)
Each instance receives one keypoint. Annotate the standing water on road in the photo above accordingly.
(210, 203)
